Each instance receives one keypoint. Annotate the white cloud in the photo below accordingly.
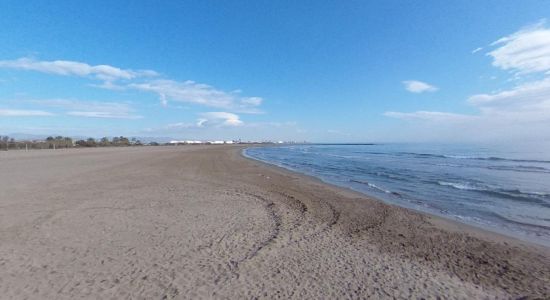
(179, 125)
(23, 113)
(252, 101)
(476, 50)
(102, 114)
(525, 51)
(415, 86)
(117, 79)
(210, 120)
(198, 93)
(526, 102)
(257, 131)
(187, 91)
(74, 68)
(223, 119)
(521, 112)
(90, 109)
(163, 100)
(428, 116)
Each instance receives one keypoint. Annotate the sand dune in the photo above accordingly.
(204, 222)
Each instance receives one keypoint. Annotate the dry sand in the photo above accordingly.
(204, 222)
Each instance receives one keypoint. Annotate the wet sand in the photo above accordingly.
(204, 222)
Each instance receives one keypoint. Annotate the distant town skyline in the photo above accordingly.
(322, 71)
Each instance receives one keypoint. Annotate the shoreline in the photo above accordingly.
(449, 223)
(206, 222)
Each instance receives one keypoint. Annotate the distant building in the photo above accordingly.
(194, 142)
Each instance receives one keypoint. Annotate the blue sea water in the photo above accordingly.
(501, 190)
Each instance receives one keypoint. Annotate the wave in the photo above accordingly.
(470, 157)
(306, 150)
(460, 186)
(346, 156)
(491, 158)
(480, 187)
(520, 222)
(375, 187)
(449, 165)
(520, 168)
(540, 198)
(391, 176)
(513, 168)
(466, 187)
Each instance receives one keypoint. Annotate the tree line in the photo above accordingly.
(7, 143)
(119, 141)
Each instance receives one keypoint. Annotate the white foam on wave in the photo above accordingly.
(461, 186)
(373, 186)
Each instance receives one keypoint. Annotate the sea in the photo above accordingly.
(496, 188)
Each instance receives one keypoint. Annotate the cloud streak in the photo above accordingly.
(525, 51)
(525, 102)
(149, 81)
(102, 115)
(415, 86)
(198, 93)
(90, 109)
(74, 68)
(476, 50)
(24, 113)
(428, 116)
(517, 112)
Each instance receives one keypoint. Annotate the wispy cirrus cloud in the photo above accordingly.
(198, 93)
(428, 116)
(103, 115)
(24, 113)
(74, 68)
(516, 112)
(525, 51)
(118, 79)
(90, 109)
(416, 86)
(476, 50)
(526, 102)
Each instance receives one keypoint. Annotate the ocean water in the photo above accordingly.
(507, 191)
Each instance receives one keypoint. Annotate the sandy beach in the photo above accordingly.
(192, 222)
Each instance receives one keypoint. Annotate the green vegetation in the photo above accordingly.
(7, 143)
(119, 141)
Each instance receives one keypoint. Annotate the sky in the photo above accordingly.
(319, 71)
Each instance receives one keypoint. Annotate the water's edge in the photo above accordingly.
(335, 184)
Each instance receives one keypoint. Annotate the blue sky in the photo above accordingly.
(332, 71)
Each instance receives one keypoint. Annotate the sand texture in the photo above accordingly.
(194, 222)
